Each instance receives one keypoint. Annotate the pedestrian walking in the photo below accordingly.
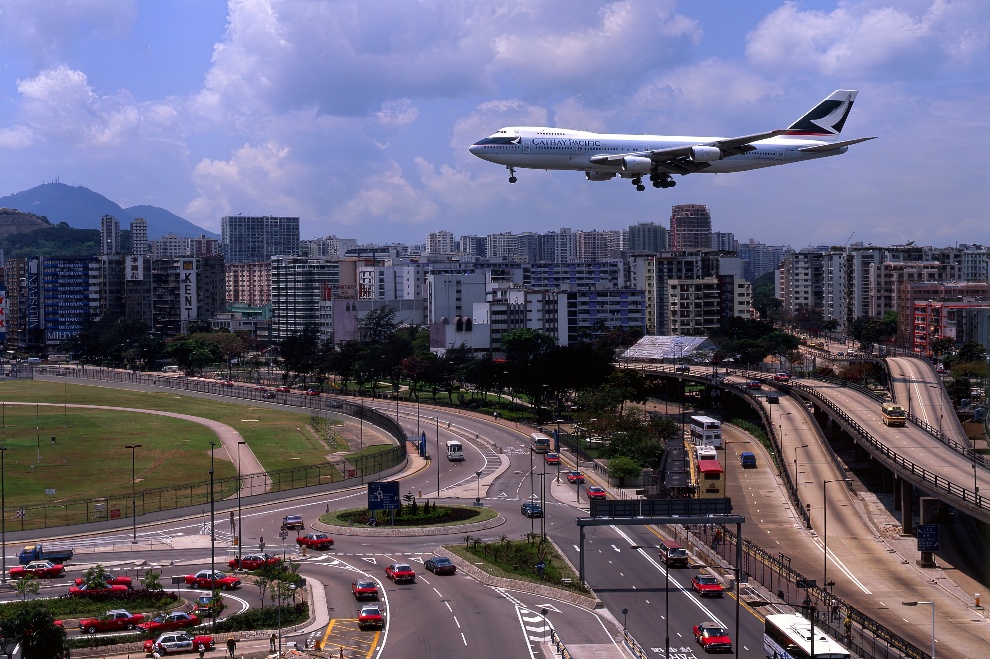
(231, 646)
(272, 641)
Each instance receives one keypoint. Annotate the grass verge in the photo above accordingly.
(517, 559)
(443, 516)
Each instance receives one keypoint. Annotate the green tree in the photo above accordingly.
(378, 325)
(34, 627)
(192, 353)
(27, 585)
(621, 468)
(151, 580)
(300, 352)
(971, 351)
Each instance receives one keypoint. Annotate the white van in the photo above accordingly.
(170, 369)
(455, 452)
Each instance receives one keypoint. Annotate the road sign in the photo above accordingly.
(384, 496)
(20, 513)
(928, 539)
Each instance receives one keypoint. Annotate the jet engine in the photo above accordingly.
(599, 176)
(706, 153)
(638, 164)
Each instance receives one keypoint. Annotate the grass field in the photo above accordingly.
(88, 458)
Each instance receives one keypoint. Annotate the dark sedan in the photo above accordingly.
(440, 565)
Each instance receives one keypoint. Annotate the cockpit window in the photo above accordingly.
(498, 139)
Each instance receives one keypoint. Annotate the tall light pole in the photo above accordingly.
(3, 518)
(933, 620)
(532, 493)
(240, 485)
(213, 531)
(477, 500)
(825, 532)
(438, 455)
(133, 448)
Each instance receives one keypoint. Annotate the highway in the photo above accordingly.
(438, 614)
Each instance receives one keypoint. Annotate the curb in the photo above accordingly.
(387, 532)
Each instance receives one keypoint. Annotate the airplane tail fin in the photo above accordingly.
(826, 119)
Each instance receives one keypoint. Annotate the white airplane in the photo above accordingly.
(603, 156)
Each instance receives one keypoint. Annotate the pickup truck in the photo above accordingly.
(39, 553)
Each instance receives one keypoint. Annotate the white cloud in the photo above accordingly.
(256, 179)
(16, 137)
(866, 39)
(59, 104)
(398, 113)
(388, 197)
(561, 47)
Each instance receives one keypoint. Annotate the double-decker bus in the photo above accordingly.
(711, 479)
(706, 431)
(788, 636)
(893, 414)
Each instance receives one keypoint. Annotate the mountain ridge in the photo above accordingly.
(82, 208)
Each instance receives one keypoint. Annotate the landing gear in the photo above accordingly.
(638, 182)
(662, 180)
(512, 174)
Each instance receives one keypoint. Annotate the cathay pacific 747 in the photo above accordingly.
(603, 156)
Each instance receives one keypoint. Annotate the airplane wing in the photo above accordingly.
(833, 145)
(678, 159)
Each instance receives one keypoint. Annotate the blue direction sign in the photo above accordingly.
(928, 537)
(383, 496)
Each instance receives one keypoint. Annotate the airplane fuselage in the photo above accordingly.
(566, 149)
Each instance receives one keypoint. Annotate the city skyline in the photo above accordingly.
(339, 114)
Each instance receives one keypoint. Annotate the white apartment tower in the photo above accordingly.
(139, 236)
(440, 242)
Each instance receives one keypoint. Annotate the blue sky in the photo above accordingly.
(356, 116)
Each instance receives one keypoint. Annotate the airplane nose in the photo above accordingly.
(476, 149)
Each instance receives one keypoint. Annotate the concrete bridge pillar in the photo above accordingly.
(907, 512)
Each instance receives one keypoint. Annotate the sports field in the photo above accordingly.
(88, 458)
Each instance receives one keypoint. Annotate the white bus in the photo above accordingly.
(540, 442)
(788, 636)
(455, 452)
(706, 431)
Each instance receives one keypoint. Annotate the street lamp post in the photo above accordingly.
(438, 455)
(933, 620)
(532, 493)
(133, 448)
(825, 529)
(795, 463)
(3, 519)
(240, 485)
(477, 499)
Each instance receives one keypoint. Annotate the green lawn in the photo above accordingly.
(89, 458)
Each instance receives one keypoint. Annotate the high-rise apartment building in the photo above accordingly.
(690, 227)
(647, 237)
(760, 259)
(170, 246)
(139, 236)
(109, 235)
(440, 242)
(250, 239)
(299, 291)
(249, 283)
(474, 245)
(724, 242)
